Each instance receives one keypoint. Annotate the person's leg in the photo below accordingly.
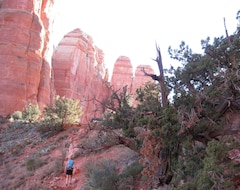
(67, 176)
(70, 179)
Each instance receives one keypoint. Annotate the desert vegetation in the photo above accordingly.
(188, 138)
(30, 128)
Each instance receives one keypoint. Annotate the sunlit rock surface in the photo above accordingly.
(24, 53)
(140, 79)
(122, 74)
(79, 72)
(32, 73)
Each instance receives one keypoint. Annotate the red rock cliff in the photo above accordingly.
(140, 79)
(24, 52)
(79, 72)
(122, 74)
(30, 74)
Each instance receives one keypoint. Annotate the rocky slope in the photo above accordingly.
(31, 161)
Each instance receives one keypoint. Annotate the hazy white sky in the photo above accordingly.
(131, 27)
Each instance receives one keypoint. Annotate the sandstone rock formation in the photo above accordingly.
(32, 73)
(122, 74)
(79, 72)
(24, 53)
(140, 79)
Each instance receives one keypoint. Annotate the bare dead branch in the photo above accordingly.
(154, 77)
(161, 77)
(229, 41)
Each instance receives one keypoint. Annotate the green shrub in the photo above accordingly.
(38, 186)
(33, 164)
(101, 175)
(214, 171)
(65, 109)
(133, 170)
(125, 183)
(31, 113)
(17, 149)
(127, 179)
(17, 115)
(49, 127)
(121, 112)
(58, 167)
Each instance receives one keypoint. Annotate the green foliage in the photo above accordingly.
(50, 127)
(33, 163)
(101, 175)
(17, 115)
(18, 149)
(193, 127)
(38, 186)
(133, 170)
(65, 109)
(31, 113)
(148, 105)
(120, 116)
(216, 166)
(58, 167)
(169, 127)
(125, 183)
(204, 83)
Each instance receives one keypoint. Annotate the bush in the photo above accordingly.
(121, 112)
(128, 177)
(65, 109)
(33, 164)
(133, 170)
(49, 127)
(38, 186)
(17, 149)
(214, 171)
(58, 167)
(17, 115)
(31, 113)
(101, 175)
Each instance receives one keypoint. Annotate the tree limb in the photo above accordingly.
(161, 77)
(154, 77)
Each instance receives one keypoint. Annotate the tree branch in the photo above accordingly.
(161, 77)
(154, 77)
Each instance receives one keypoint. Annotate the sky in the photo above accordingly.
(132, 28)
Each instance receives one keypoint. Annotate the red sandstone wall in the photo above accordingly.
(79, 72)
(122, 74)
(24, 74)
(140, 79)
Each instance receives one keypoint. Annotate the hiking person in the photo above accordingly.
(69, 170)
